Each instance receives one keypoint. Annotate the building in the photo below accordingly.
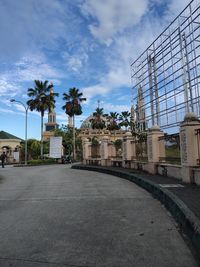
(51, 125)
(86, 131)
(11, 145)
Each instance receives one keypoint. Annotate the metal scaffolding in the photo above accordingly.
(167, 73)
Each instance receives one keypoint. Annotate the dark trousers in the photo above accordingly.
(2, 163)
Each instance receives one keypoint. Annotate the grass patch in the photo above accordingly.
(173, 155)
(173, 152)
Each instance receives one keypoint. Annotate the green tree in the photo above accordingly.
(118, 146)
(42, 98)
(33, 149)
(98, 120)
(95, 147)
(73, 107)
(125, 119)
(113, 121)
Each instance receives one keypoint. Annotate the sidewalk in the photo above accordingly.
(182, 200)
(189, 194)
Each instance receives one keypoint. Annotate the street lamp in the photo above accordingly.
(26, 111)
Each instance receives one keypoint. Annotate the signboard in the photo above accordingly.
(55, 147)
(16, 156)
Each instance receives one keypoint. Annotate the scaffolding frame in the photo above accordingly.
(168, 71)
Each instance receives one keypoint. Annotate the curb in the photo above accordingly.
(186, 219)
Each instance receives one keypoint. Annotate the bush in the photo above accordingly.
(118, 143)
(94, 141)
(41, 161)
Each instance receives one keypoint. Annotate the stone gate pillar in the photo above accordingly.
(189, 146)
(104, 151)
(86, 150)
(129, 151)
(155, 147)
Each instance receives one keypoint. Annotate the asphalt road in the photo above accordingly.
(55, 216)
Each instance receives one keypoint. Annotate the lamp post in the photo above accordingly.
(26, 111)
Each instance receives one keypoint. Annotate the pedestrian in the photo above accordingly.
(3, 158)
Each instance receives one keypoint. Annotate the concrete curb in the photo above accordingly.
(186, 219)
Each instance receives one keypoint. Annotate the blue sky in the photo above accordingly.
(88, 44)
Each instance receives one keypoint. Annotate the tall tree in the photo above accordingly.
(73, 107)
(42, 98)
(125, 118)
(113, 121)
(98, 121)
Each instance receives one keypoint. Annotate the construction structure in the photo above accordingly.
(165, 97)
(165, 77)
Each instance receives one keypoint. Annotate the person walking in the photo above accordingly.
(3, 158)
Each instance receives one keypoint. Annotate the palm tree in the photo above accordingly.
(97, 122)
(42, 99)
(124, 118)
(112, 119)
(73, 107)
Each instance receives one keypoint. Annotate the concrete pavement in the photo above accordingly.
(56, 216)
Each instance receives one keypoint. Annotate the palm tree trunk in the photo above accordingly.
(41, 148)
(74, 139)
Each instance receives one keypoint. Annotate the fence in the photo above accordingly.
(198, 145)
(95, 151)
(172, 148)
(141, 150)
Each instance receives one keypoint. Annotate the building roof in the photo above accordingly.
(86, 124)
(5, 135)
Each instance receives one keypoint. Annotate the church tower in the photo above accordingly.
(51, 125)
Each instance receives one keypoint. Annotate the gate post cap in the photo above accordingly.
(190, 116)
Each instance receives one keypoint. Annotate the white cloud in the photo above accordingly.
(3, 110)
(75, 62)
(175, 7)
(111, 21)
(91, 91)
(29, 68)
(124, 98)
(109, 107)
(113, 16)
(31, 25)
(126, 49)
(8, 87)
(35, 67)
(21, 109)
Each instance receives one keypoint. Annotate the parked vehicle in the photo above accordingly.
(66, 159)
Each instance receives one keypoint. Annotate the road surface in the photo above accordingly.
(56, 216)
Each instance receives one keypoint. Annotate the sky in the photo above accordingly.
(87, 44)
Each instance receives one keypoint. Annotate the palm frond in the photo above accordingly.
(73, 99)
